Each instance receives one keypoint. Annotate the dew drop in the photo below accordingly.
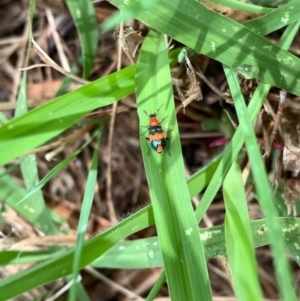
(151, 254)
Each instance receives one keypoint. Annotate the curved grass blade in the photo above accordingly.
(84, 217)
(28, 162)
(146, 253)
(275, 19)
(21, 257)
(238, 238)
(84, 16)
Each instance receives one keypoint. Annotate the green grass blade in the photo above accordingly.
(265, 195)
(238, 238)
(21, 257)
(231, 152)
(83, 219)
(182, 250)
(234, 146)
(274, 20)
(98, 245)
(84, 16)
(146, 253)
(36, 206)
(156, 287)
(43, 123)
(230, 43)
(28, 163)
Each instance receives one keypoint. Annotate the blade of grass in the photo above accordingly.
(199, 180)
(21, 257)
(34, 209)
(230, 153)
(263, 188)
(238, 238)
(146, 253)
(28, 163)
(83, 219)
(182, 250)
(274, 19)
(84, 16)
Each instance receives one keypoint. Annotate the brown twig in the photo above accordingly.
(282, 96)
(109, 199)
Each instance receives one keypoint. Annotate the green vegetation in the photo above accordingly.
(178, 247)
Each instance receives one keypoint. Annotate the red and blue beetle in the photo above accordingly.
(157, 136)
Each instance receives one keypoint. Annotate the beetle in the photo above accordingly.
(157, 138)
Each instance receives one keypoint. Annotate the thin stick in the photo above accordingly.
(282, 96)
(109, 199)
(61, 54)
